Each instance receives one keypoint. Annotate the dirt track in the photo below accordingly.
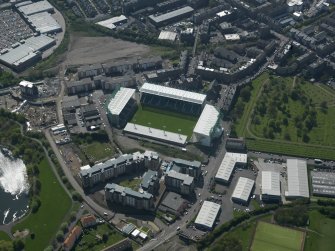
(91, 50)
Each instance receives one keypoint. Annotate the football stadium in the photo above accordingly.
(174, 116)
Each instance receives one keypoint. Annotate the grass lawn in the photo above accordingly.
(89, 241)
(270, 237)
(4, 236)
(132, 183)
(97, 150)
(262, 114)
(158, 118)
(55, 204)
(322, 237)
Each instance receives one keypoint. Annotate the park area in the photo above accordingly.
(270, 237)
(165, 120)
(287, 116)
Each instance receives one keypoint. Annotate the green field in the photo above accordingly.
(273, 120)
(269, 237)
(96, 150)
(131, 183)
(158, 118)
(55, 204)
(321, 234)
(4, 236)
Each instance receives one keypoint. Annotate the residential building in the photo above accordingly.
(72, 237)
(88, 221)
(179, 182)
(150, 182)
(191, 168)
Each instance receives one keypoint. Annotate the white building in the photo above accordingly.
(207, 127)
(228, 163)
(167, 35)
(297, 179)
(111, 23)
(295, 5)
(207, 215)
(243, 190)
(270, 186)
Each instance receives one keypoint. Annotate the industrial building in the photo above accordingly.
(172, 99)
(270, 190)
(44, 23)
(297, 179)
(36, 7)
(160, 20)
(207, 215)
(111, 23)
(208, 126)
(155, 134)
(128, 197)
(243, 190)
(179, 182)
(323, 183)
(121, 106)
(25, 54)
(28, 89)
(192, 168)
(229, 162)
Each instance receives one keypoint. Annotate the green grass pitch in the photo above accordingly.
(270, 237)
(158, 118)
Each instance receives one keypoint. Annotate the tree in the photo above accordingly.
(287, 136)
(6, 245)
(227, 244)
(18, 245)
(294, 216)
(73, 216)
(60, 236)
(35, 205)
(105, 237)
(246, 93)
(64, 227)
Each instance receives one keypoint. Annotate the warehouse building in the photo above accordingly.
(270, 186)
(297, 179)
(179, 182)
(173, 99)
(207, 215)
(128, 197)
(229, 162)
(243, 190)
(36, 7)
(323, 183)
(113, 22)
(121, 107)
(44, 23)
(171, 17)
(208, 126)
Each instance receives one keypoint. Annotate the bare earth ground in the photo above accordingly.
(91, 50)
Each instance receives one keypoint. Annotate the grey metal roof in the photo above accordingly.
(187, 180)
(297, 178)
(172, 14)
(207, 214)
(126, 191)
(173, 201)
(148, 177)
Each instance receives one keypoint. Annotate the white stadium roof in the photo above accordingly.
(228, 163)
(207, 214)
(270, 183)
(207, 120)
(297, 178)
(173, 93)
(120, 100)
(154, 133)
(243, 189)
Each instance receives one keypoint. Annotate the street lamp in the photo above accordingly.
(149, 126)
(164, 130)
(179, 130)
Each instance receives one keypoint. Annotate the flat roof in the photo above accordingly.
(270, 183)
(44, 22)
(173, 93)
(187, 180)
(172, 14)
(207, 120)
(207, 214)
(158, 134)
(243, 189)
(297, 178)
(25, 83)
(111, 22)
(167, 35)
(36, 7)
(228, 163)
(120, 100)
(323, 183)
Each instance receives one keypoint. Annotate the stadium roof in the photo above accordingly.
(111, 22)
(270, 183)
(297, 178)
(228, 163)
(172, 14)
(173, 93)
(207, 214)
(154, 133)
(44, 22)
(36, 7)
(243, 189)
(120, 100)
(207, 120)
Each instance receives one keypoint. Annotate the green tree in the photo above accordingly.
(246, 93)
(59, 236)
(227, 244)
(18, 245)
(6, 245)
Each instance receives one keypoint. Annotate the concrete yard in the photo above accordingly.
(92, 50)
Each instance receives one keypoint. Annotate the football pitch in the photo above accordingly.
(165, 120)
(270, 237)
